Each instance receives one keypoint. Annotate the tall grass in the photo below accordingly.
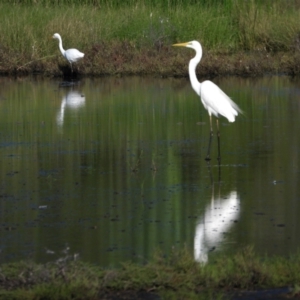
(229, 24)
(26, 26)
(31, 26)
(273, 26)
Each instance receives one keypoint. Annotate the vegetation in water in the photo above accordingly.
(135, 36)
(177, 274)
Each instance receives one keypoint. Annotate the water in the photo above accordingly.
(113, 169)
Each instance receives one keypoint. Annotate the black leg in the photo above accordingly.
(207, 158)
(219, 147)
(219, 168)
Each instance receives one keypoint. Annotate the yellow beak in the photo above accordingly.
(180, 44)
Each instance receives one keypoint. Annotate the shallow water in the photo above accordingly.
(114, 168)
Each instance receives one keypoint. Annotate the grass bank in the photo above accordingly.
(135, 37)
(175, 277)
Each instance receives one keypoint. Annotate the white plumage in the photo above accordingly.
(217, 102)
(71, 55)
(214, 100)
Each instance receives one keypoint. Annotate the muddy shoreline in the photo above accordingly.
(125, 59)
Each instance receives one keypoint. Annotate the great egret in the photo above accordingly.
(214, 100)
(71, 55)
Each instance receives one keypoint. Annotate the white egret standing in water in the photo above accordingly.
(71, 55)
(214, 100)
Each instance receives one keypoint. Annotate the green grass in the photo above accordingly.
(177, 274)
(228, 26)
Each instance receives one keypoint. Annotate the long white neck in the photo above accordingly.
(60, 46)
(192, 70)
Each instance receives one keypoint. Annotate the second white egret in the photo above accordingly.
(71, 55)
(214, 100)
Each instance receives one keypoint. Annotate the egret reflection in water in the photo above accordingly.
(73, 100)
(218, 218)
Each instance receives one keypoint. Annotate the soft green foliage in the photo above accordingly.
(273, 26)
(227, 26)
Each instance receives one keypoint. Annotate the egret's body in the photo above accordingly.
(214, 100)
(71, 55)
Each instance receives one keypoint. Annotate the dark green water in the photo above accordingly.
(114, 168)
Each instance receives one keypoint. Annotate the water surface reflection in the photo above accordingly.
(127, 174)
(73, 100)
(212, 227)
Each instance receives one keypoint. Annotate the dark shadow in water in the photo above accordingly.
(68, 83)
(68, 72)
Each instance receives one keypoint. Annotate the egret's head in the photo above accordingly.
(192, 44)
(56, 36)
